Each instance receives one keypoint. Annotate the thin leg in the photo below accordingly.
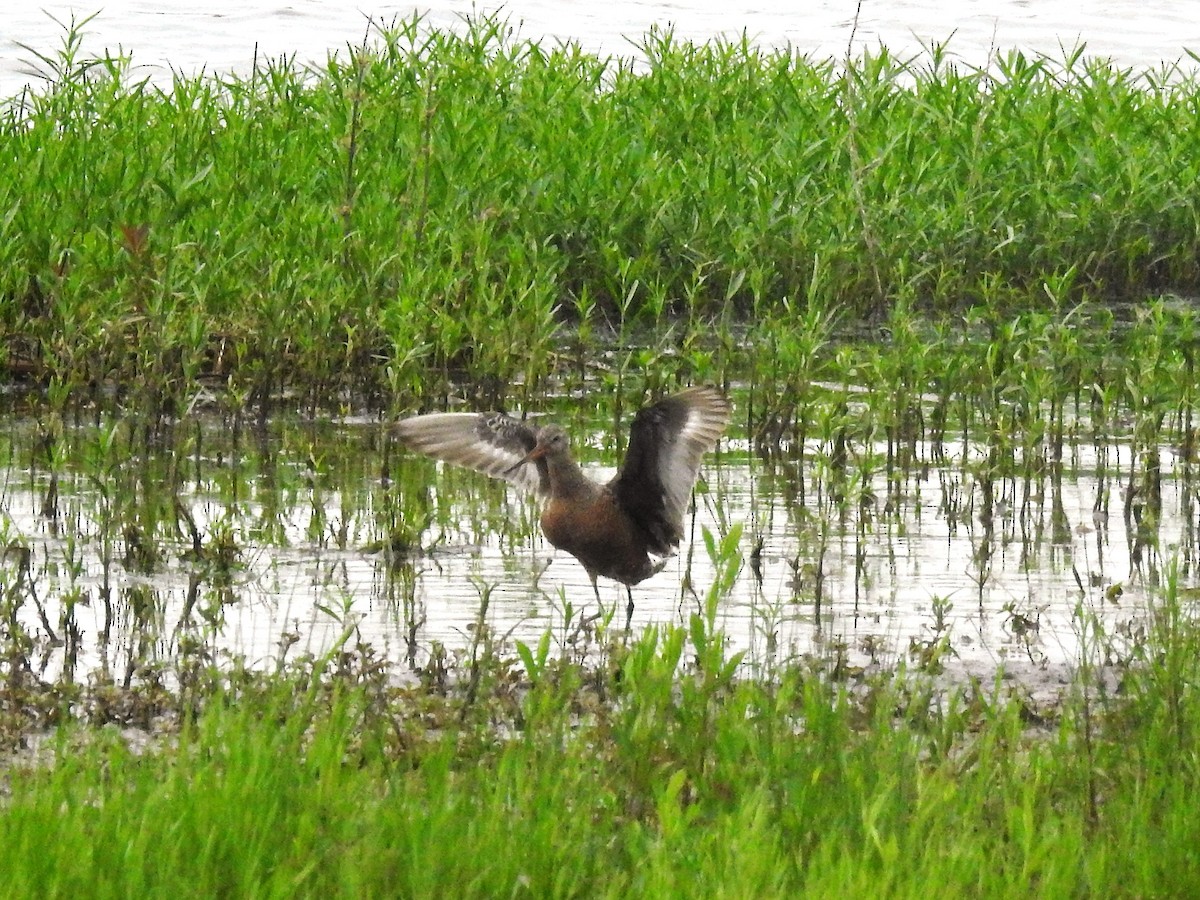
(599, 602)
(629, 610)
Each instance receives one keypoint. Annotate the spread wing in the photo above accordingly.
(666, 442)
(492, 443)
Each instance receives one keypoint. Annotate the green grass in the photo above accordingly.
(437, 206)
(658, 774)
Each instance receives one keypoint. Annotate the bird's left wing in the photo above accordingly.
(666, 443)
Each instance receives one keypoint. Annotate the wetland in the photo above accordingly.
(933, 621)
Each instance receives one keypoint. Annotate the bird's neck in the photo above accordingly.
(567, 480)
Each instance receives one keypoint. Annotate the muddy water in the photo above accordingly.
(260, 543)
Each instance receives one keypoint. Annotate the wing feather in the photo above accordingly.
(491, 443)
(666, 443)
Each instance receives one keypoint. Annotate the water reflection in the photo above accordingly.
(121, 555)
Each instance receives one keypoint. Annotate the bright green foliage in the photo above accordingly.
(436, 206)
(659, 778)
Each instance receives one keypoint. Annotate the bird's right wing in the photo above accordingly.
(492, 443)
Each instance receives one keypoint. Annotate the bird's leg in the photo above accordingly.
(629, 610)
(596, 591)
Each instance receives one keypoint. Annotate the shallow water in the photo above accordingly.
(304, 509)
(222, 36)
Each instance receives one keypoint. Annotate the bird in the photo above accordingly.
(624, 529)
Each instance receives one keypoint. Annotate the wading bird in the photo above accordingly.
(622, 530)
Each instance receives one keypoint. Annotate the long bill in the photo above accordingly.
(536, 453)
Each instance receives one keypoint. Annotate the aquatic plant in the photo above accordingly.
(434, 207)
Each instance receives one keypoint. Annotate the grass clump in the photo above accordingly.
(656, 772)
(438, 203)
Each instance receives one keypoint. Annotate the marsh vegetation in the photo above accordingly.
(249, 646)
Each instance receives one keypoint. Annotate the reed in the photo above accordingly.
(432, 202)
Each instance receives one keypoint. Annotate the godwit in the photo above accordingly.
(621, 530)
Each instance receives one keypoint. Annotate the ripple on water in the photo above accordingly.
(909, 569)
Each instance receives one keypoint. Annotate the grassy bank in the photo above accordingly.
(439, 203)
(654, 772)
